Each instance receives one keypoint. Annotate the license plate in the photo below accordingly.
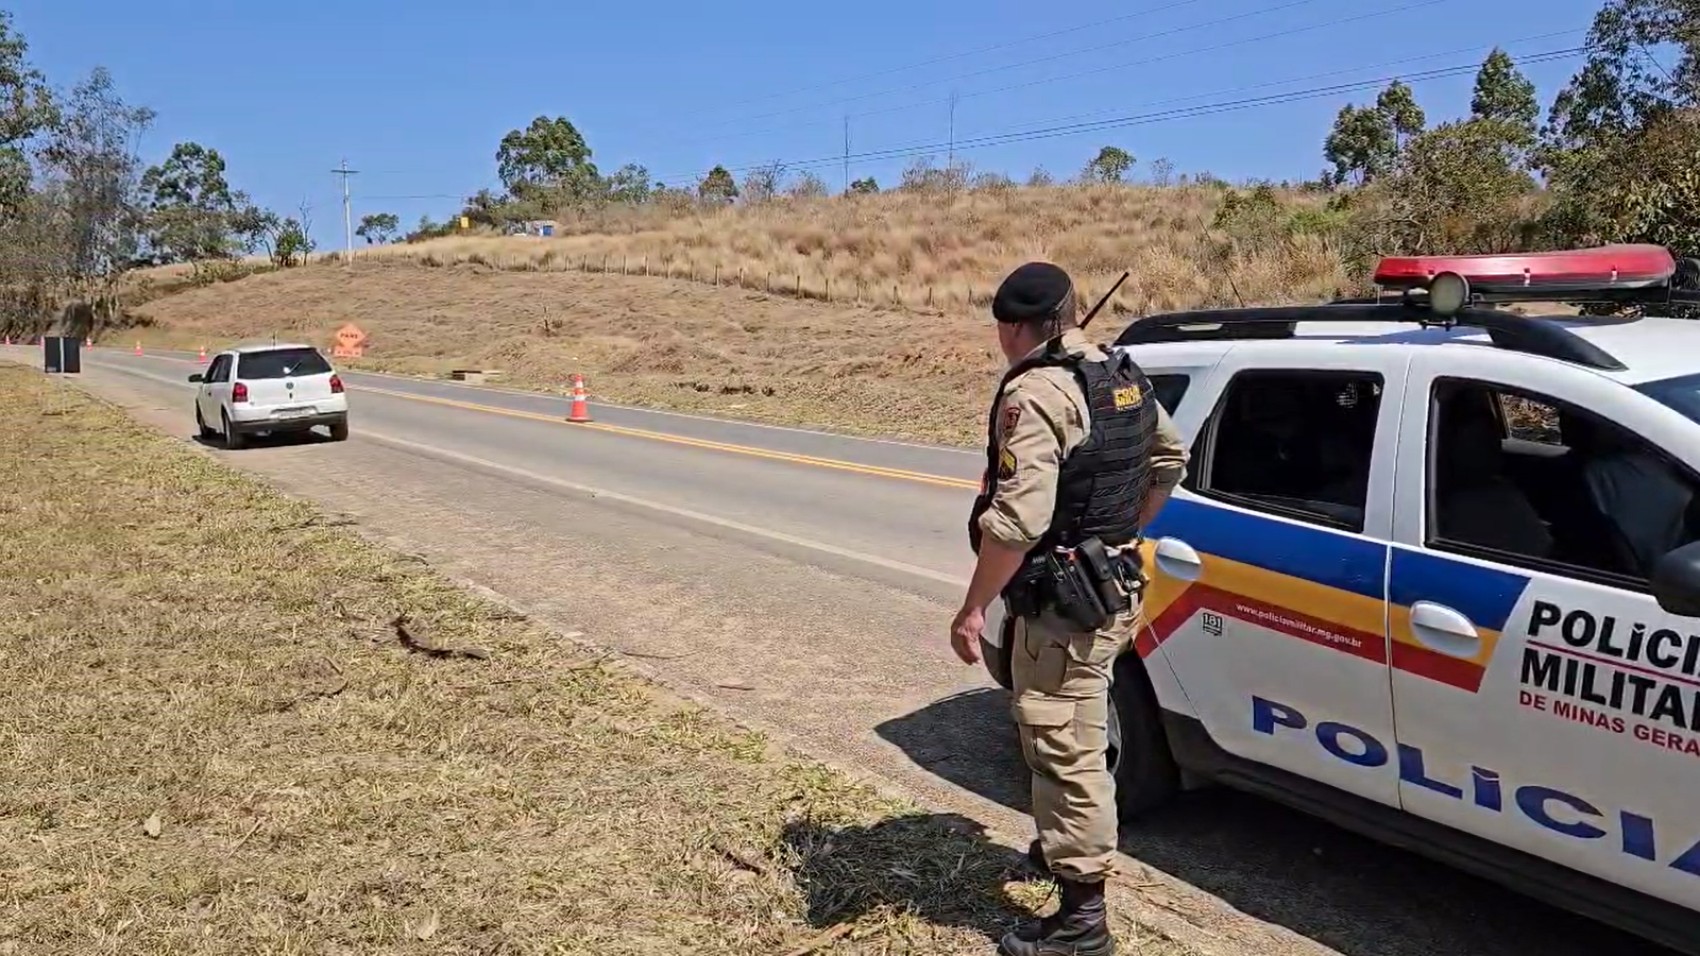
(293, 412)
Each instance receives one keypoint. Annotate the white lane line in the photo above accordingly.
(661, 507)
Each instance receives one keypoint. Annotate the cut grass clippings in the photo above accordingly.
(215, 738)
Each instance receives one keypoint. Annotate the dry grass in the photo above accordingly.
(921, 250)
(522, 305)
(214, 741)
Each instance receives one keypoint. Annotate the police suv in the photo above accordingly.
(1435, 574)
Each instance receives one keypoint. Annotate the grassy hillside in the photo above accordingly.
(541, 309)
(915, 249)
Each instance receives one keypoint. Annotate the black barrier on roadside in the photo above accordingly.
(62, 354)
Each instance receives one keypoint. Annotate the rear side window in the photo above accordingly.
(1170, 389)
(282, 363)
(1294, 443)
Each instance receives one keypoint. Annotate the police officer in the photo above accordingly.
(1079, 458)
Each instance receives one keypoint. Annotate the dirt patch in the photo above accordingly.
(246, 728)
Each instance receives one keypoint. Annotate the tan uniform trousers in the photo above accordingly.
(1061, 684)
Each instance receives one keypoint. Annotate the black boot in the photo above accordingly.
(1079, 928)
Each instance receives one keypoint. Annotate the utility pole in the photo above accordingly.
(347, 207)
(950, 158)
(847, 154)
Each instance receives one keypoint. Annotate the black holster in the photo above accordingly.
(1084, 585)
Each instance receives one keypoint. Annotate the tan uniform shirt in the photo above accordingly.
(1044, 417)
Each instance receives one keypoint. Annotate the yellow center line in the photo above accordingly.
(876, 470)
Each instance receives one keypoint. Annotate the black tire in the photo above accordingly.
(339, 431)
(1140, 759)
(233, 439)
(201, 425)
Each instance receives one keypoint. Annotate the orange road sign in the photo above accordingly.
(350, 342)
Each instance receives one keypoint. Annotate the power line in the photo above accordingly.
(1023, 41)
(1051, 132)
(1262, 38)
(1220, 21)
(1341, 72)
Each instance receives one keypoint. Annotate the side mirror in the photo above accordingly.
(195, 377)
(1676, 580)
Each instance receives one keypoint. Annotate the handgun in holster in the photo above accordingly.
(1073, 591)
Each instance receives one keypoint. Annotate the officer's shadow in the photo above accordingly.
(932, 870)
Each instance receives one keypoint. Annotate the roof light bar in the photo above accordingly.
(1607, 272)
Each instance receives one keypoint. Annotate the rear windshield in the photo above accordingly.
(282, 363)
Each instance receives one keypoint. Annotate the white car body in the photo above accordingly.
(270, 388)
(1527, 718)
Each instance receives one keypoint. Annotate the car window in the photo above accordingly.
(1296, 443)
(1682, 394)
(1587, 498)
(1170, 389)
(278, 363)
(220, 369)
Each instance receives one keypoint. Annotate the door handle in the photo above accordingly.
(1444, 631)
(1177, 559)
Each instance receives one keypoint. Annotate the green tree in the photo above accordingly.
(866, 186)
(292, 246)
(89, 156)
(630, 184)
(1110, 165)
(1619, 144)
(193, 214)
(718, 186)
(550, 154)
(1504, 94)
(1399, 105)
(1457, 188)
(379, 227)
(1362, 144)
(26, 110)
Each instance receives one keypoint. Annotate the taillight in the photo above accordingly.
(238, 392)
(336, 385)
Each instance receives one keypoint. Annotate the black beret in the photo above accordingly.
(1034, 292)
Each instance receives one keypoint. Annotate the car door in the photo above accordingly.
(209, 397)
(1267, 594)
(1543, 699)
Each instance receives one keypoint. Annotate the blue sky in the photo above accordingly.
(417, 94)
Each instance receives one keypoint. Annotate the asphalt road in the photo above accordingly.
(804, 581)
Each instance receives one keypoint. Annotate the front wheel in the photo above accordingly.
(206, 433)
(1139, 758)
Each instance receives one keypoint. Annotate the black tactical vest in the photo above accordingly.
(1101, 485)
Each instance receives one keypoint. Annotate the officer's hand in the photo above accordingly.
(965, 634)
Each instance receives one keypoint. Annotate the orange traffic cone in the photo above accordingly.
(581, 409)
(202, 358)
(138, 346)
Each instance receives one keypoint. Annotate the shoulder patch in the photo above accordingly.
(1128, 396)
(1011, 415)
(1006, 464)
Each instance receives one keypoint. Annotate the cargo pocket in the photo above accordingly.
(1041, 720)
(1041, 665)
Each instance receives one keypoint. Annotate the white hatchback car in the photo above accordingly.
(269, 388)
(1434, 573)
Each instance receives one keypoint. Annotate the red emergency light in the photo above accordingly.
(1605, 267)
(1606, 273)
